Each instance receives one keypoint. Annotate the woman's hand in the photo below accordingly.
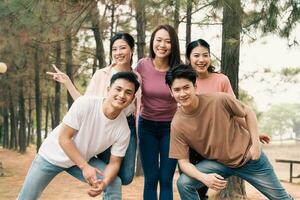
(265, 139)
(63, 78)
(59, 76)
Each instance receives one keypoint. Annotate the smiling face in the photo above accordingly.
(121, 52)
(121, 93)
(200, 60)
(184, 92)
(162, 44)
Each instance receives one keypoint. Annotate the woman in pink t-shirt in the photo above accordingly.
(208, 81)
(157, 110)
(122, 48)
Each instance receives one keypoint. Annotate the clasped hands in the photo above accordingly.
(97, 186)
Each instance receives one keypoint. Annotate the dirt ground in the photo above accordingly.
(65, 187)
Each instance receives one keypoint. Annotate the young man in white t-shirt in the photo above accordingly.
(90, 127)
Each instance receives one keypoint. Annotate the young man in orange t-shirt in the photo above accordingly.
(205, 123)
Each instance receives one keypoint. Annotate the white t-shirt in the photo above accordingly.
(95, 133)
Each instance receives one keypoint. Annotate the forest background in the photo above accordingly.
(75, 36)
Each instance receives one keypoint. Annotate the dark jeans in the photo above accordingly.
(154, 142)
(195, 158)
(126, 172)
(259, 173)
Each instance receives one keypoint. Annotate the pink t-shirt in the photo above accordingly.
(215, 82)
(157, 102)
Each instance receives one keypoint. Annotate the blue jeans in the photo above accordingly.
(42, 172)
(258, 173)
(127, 168)
(154, 141)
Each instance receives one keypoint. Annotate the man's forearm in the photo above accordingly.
(190, 170)
(111, 171)
(72, 152)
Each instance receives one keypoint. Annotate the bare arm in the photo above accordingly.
(64, 79)
(213, 181)
(65, 141)
(112, 169)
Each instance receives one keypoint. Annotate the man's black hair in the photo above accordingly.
(129, 76)
(181, 71)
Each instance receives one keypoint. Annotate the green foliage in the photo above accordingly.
(290, 74)
(219, 4)
(290, 71)
(273, 16)
(293, 17)
(246, 98)
(44, 21)
(267, 70)
(249, 100)
(253, 17)
(280, 118)
(159, 12)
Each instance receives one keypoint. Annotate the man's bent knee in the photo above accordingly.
(126, 180)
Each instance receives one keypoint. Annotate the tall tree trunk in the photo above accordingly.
(112, 8)
(176, 14)
(69, 65)
(29, 119)
(189, 8)
(38, 98)
(51, 110)
(141, 30)
(5, 127)
(140, 27)
(100, 55)
(47, 116)
(1, 129)
(57, 87)
(95, 65)
(232, 12)
(13, 131)
(235, 189)
(22, 118)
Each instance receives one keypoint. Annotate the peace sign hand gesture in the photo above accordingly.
(59, 76)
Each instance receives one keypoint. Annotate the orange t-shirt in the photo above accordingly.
(211, 131)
